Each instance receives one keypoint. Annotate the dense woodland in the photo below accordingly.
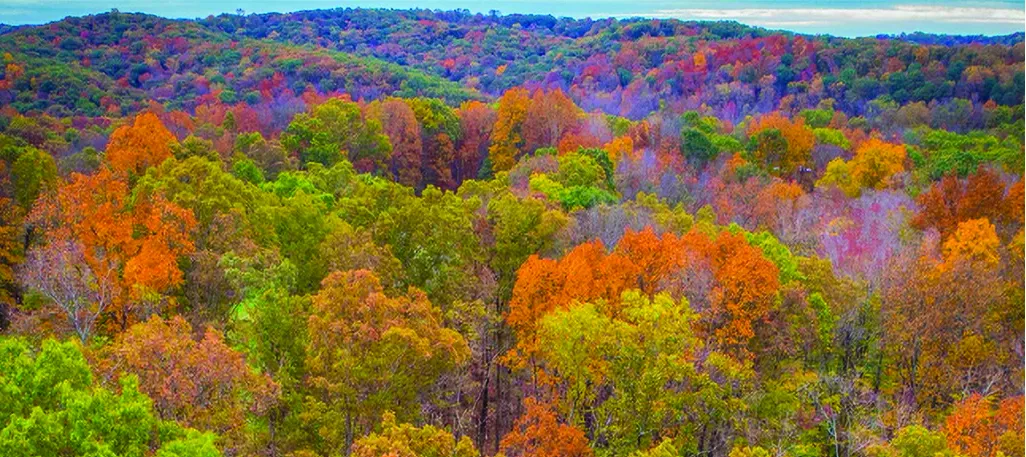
(418, 234)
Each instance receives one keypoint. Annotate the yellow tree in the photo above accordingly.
(875, 162)
(369, 353)
(507, 134)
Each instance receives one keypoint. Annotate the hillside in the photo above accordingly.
(114, 62)
(625, 67)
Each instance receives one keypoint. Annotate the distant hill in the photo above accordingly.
(606, 61)
(115, 61)
(629, 67)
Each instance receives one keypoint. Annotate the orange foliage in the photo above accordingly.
(137, 243)
(981, 195)
(745, 286)
(538, 433)
(620, 147)
(200, 383)
(549, 116)
(573, 141)
(699, 61)
(976, 241)
(136, 147)
(974, 429)
(799, 138)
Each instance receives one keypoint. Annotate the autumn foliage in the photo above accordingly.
(426, 233)
(538, 433)
(144, 143)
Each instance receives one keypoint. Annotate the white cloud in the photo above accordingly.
(784, 17)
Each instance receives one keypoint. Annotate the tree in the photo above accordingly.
(876, 162)
(538, 433)
(838, 174)
(873, 166)
(787, 149)
(696, 146)
(405, 440)
(368, 353)
(335, 130)
(917, 441)
(145, 143)
(744, 291)
(952, 200)
(476, 122)
(622, 376)
(972, 429)
(507, 134)
(268, 155)
(83, 294)
(104, 252)
(441, 129)
(941, 319)
(52, 406)
(974, 241)
(33, 173)
(621, 147)
(521, 227)
(548, 117)
(10, 256)
(202, 384)
(404, 132)
(439, 262)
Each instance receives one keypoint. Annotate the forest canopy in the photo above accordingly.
(420, 233)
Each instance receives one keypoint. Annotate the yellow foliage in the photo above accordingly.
(975, 240)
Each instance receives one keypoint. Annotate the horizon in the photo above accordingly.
(862, 18)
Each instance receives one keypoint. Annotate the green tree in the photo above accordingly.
(32, 173)
(409, 441)
(336, 130)
(52, 407)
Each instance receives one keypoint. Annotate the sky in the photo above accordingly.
(835, 17)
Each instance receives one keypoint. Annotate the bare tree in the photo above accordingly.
(60, 272)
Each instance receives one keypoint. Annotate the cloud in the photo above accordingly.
(784, 17)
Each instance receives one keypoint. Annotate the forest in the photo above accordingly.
(417, 233)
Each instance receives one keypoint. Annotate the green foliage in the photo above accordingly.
(407, 440)
(337, 130)
(53, 408)
(247, 171)
(579, 169)
(192, 146)
(817, 118)
(831, 136)
(193, 444)
(271, 322)
(33, 172)
(643, 350)
(435, 116)
(696, 146)
(522, 227)
(774, 251)
(573, 197)
(947, 152)
(917, 441)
